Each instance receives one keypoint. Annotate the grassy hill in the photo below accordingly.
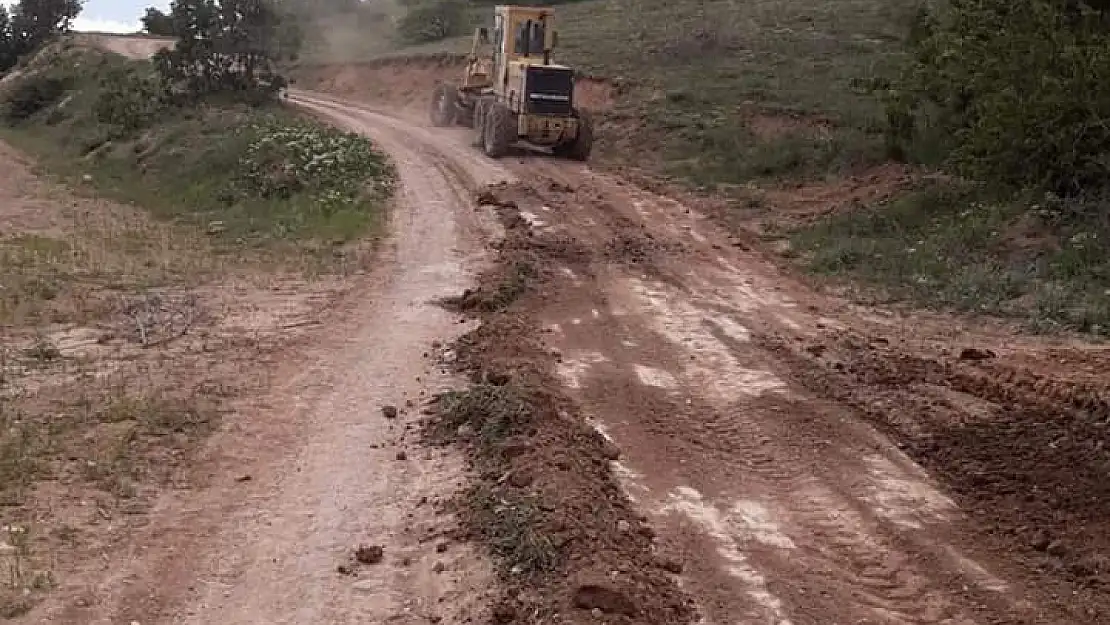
(226, 167)
(766, 103)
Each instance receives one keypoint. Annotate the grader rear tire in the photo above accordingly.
(580, 147)
(499, 131)
(443, 105)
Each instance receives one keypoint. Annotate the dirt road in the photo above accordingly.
(798, 460)
(316, 469)
(773, 435)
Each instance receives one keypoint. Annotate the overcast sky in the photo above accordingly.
(118, 16)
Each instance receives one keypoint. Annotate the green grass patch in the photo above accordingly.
(946, 247)
(251, 177)
(510, 521)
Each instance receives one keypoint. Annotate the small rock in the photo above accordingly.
(89, 178)
(215, 227)
(464, 432)
(371, 554)
(1056, 548)
(623, 526)
(439, 567)
(243, 478)
(345, 569)
(610, 451)
(973, 353)
(504, 613)
(672, 566)
(402, 455)
(406, 561)
(520, 479)
(389, 412)
(441, 547)
(596, 612)
(605, 598)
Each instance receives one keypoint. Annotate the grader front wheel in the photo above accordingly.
(499, 131)
(443, 105)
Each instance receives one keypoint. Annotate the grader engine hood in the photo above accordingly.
(548, 90)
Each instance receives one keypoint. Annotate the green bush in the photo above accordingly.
(1015, 92)
(432, 21)
(129, 100)
(339, 170)
(33, 94)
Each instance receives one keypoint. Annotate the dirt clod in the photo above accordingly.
(369, 554)
(672, 566)
(389, 412)
(402, 455)
(974, 353)
(605, 598)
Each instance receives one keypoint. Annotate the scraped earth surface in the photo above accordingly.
(801, 460)
(807, 460)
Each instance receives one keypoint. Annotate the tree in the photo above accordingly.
(226, 46)
(32, 23)
(36, 22)
(1033, 120)
(156, 22)
(8, 53)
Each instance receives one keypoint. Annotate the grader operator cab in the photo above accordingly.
(512, 93)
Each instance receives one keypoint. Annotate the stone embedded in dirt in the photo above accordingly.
(973, 353)
(672, 566)
(345, 569)
(503, 613)
(441, 547)
(369, 554)
(439, 567)
(610, 451)
(605, 598)
(464, 431)
(497, 378)
(816, 350)
(389, 412)
(623, 526)
(402, 455)
(520, 479)
(1056, 548)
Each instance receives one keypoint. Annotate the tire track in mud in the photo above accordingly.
(1025, 453)
(623, 365)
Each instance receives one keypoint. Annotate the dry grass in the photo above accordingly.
(127, 333)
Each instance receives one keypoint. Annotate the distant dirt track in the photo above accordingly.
(130, 46)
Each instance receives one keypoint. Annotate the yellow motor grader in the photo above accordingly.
(512, 93)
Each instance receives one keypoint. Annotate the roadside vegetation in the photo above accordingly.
(1020, 226)
(769, 102)
(166, 224)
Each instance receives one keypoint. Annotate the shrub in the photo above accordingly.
(338, 169)
(433, 21)
(32, 94)
(128, 101)
(1010, 91)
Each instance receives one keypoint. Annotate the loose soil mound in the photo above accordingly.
(545, 499)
